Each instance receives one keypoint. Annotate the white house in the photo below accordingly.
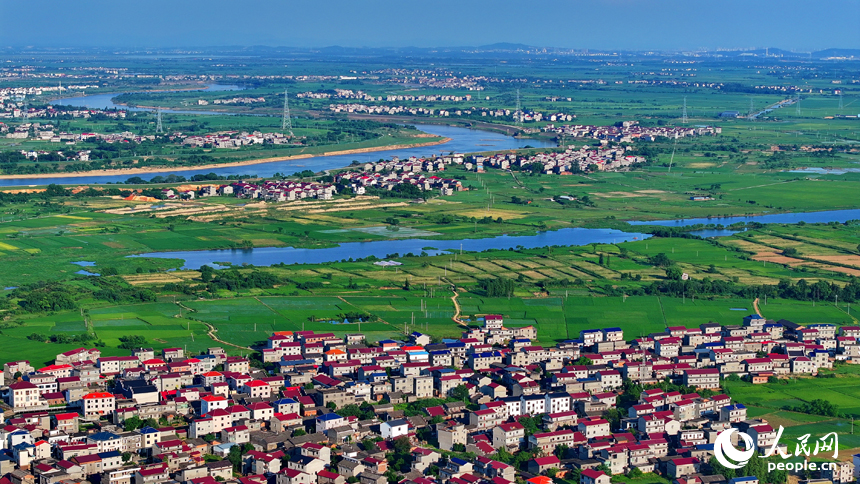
(394, 428)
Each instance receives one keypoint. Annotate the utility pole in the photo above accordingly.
(286, 121)
(684, 112)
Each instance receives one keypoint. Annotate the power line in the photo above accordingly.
(287, 122)
(518, 114)
(684, 112)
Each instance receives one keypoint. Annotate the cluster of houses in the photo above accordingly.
(570, 161)
(235, 139)
(18, 110)
(522, 116)
(630, 131)
(233, 100)
(171, 417)
(276, 190)
(389, 174)
(20, 92)
(338, 94)
(349, 94)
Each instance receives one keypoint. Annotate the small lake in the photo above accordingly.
(266, 256)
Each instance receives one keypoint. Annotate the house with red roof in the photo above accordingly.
(541, 464)
(591, 476)
(98, 403)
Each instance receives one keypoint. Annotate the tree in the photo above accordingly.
(206, 273)
(126, 456)
(402, 445)
(552, 472)
(299, 433)
(235, 457)
(582, 360)
(530, 424)
(634, 472)
(370, 446)
(132, 423)
(660, 260)
(460, 392)
(502, 455)
(331, 405)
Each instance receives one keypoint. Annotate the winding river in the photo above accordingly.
(266, 256)
(463, 140)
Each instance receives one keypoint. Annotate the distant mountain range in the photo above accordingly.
(500, 48)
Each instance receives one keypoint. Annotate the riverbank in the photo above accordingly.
(161, 169)
(61, 97)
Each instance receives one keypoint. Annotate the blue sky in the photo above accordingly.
(595, 24)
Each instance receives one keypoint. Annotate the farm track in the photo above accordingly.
(212, 330)
(211, 334)
(755, 306)
(456, 316)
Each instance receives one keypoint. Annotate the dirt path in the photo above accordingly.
(211, 334)
(755, 306)
(212, 330)
(456, 316)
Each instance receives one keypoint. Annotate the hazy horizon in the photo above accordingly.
(635, 25)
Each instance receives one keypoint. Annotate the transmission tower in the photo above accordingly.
(518, 114)
(797, 105)
(751, 109)
(159, 128)
(840, 101)
(287, 122)
(684, 112)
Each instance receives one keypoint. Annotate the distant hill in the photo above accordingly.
(836, 53)
(505, 46)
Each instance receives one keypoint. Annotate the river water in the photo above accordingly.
(266, 256)
(105, 100)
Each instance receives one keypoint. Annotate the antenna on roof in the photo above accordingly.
(287, 122)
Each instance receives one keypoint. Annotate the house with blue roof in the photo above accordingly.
(733, 413)
(328, 421)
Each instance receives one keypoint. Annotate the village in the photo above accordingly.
(630, 131)
(316, 408)
(570, 161)
(10, 110)
(521, 116)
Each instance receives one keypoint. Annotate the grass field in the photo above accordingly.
(248, 321)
